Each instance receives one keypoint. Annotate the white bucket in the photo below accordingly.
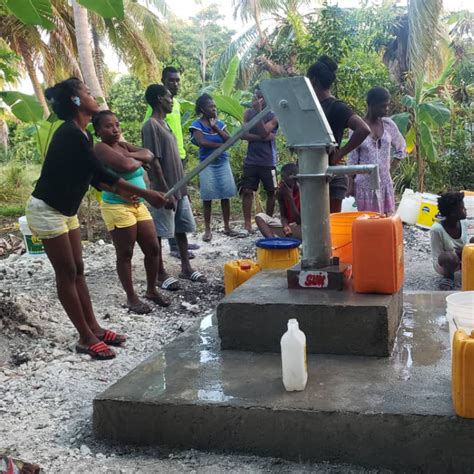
(349, 204)
(409, 207)
(33, 244)
(460, 312)
(469, 205)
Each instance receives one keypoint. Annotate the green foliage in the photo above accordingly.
(22, 144)
(25, 107)
(105, 8)
(32, 12)
(196, 46)
(359, 72)
(9, 64)
(127, 100)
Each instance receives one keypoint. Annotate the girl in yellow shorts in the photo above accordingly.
(128, 222)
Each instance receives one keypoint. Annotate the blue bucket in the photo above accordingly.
(278, 243)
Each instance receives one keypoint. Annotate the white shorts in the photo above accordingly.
(275, 224)
(46, 222)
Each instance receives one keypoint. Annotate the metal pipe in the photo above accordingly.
(314, 193)
(218, 151)
(373, 170)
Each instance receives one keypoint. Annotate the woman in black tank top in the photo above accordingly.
(340, 116)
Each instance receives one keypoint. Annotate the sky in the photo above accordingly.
(187, 8)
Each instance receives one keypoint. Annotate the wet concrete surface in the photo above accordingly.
(254, 316)
(377, 412)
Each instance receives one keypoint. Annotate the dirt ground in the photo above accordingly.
(46, 390)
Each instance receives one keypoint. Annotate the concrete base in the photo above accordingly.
(255, 315)
(391, 413)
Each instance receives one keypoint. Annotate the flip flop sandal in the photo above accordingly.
(244, 233)
(193, 246)
(232, 233)
(446, 284)
(170, 284)
(175, 254)
(111, 338)
(98, 351)
(139, 308)
(207, 237)
(159, 300)
(196, 277)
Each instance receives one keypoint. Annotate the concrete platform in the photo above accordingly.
(255, 315)
(391, 413)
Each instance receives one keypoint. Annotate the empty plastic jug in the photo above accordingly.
(238, 272)
(293, 358)
(409, 207)
(462, 381)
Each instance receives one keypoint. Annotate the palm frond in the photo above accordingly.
(424, 33)
(239, 47)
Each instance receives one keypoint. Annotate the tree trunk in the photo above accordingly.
(98, 59)
(85, 52)
(273, 68)
(420, 163)
(30, 68)
(75, 69)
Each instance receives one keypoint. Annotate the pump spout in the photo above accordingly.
(373, 170)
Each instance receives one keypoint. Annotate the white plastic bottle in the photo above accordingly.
(293, 357)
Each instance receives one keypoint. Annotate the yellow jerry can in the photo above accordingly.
(462, 379)
(467, 276)
(237, 272)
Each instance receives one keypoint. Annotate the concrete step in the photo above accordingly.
(255, 315)
(391, 412)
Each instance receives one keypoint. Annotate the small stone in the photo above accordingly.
(85, 450)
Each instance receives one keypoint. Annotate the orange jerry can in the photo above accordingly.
(237, 272)
(377, 246)
(467, 273)
(462, 381)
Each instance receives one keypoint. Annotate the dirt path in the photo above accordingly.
(46, 390)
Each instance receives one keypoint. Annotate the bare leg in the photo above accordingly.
(264, 228)
(247, 201)
(63, 260)
(124, 241)
(270, 206)
(207, 207)
(182, 241)
(146, 238)
(225, 206)
(449, 262)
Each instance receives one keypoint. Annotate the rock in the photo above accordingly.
(20, 358)
(85, 450)
(193, 308)
(28, 329)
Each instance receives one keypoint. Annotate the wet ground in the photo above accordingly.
(46, 390)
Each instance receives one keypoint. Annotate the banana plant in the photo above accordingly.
(424, 116)
(26, 108)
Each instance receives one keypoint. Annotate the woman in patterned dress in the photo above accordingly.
(376, 149)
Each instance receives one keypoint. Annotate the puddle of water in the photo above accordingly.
(213, 395)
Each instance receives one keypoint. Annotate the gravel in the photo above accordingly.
(46, 389)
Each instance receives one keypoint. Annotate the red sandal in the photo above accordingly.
(98, 351)
(111, 338)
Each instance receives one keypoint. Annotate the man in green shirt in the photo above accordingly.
(171, 79)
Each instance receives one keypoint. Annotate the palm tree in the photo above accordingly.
(278, 25)
(141, 38)
(54, 57)
(84, 49)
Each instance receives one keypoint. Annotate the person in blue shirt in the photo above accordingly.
(216, 181)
